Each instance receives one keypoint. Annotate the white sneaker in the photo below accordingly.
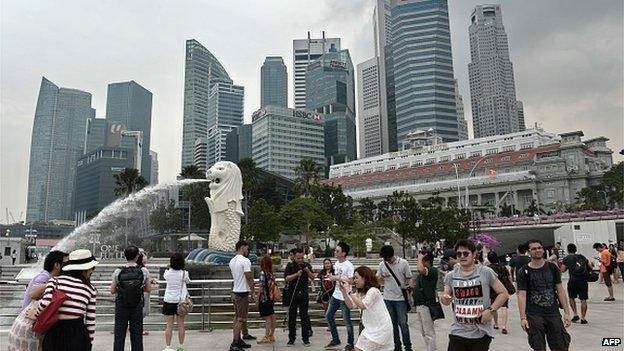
(169, 348)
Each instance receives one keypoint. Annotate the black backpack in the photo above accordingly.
(579, 268)
(130, 287)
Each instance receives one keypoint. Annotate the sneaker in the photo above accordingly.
(583, 321)
(348, 348)
(609, 299)
(306, 343)
(290, 343)
(232, 348)
(575, 319)
(332, 345)
(249, 337)
(168, 348)
(241, 344)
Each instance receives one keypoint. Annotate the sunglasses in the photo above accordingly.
(463, 253)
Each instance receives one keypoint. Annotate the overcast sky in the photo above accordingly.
(567, 57)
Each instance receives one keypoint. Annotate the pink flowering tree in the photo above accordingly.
(485, 239)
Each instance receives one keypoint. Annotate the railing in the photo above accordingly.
(211, 298)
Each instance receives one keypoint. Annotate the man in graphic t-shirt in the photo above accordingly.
(539, 293)
(343, 271)
(468, 288)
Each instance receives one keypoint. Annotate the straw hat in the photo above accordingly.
(80, 260)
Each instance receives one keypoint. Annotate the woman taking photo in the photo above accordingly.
(376, 336)
(177, 279)
(266, 300)
(76, 325)
(327, 286)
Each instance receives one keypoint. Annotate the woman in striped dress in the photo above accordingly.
(76, 326)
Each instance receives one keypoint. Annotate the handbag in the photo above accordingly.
(592, 276)
(435, 309)
(404, 291)
(50, 315)
(185, 306)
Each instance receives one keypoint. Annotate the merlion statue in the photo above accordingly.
(224, 203)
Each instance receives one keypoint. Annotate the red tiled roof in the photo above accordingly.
(466, 164)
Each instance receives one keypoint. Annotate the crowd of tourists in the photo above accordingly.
(58, 308)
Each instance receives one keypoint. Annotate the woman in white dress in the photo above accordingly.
(377, 333)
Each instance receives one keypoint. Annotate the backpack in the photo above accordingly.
(130, 287)
(579, 268)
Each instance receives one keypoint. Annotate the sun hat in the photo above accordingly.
(80, 260)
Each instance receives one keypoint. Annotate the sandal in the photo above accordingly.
(504, 331)
(495, 326)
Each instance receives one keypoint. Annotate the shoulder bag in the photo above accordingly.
(50, 315)
(275, 293)
(404, 291)
(185, 306)
(435, 308)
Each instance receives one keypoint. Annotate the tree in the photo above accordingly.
(592, 198)
(264, 222)
(613, 181)
(438, 222)
(392, 205)
(532, 209)
(307, 176)
(335, 203)
(366, 210)
(267, 190)
(410, 216)
(192, 172)
(166, 217)
(249, 173)
(196, 194)
(128, 181)
(305, 216)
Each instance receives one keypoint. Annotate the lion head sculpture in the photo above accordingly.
(226, 185)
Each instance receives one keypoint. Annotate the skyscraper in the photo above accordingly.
(273, 82)
(369, 108)
(154, 173)
(57, 142)
(495, 110)
(330, 85)
(382, 23)
(200, 71)
(462, 125)
(239, 143)
(131, 104)
(225, 112)
(423, 69)
(306, 51)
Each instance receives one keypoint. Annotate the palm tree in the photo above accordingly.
(128, 181)
(192, 172)
(307, 176)
(249, 173)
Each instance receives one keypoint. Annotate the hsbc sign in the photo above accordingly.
(316, 117)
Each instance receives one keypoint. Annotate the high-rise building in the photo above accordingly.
(330, 86)
(131, 104)
(282, 137)
(495, 110)
(369, 108)
(57, 142)
(200, 152)
(306, 51)
(462, 125)
(225, 112)
(154, 173)
(382, 23)
(238, 143)
(201, 69)
(423, 69)
(273, 82)
(95, 182)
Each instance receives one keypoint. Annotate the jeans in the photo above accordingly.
(123, 317)
(334, 305)
(398, 314)
(425, 325)
(300, 301)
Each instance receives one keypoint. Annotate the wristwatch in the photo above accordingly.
(491, 309)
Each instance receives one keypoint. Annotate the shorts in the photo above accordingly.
(606, 276)
(547, 328)
(266, 308)
(170, 309)
(241, 305)
(457, 343)
(578, 288)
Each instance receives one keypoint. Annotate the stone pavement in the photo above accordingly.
(606, 319)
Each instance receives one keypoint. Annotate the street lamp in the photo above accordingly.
(470, 175)
(455, 165)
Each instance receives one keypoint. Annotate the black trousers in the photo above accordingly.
(457, 343)
(123, 317)
(300, 301)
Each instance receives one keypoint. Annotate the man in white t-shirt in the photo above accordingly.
(242, 292)
(343, 271)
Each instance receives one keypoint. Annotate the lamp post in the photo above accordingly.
(470, 175)
(456, 166)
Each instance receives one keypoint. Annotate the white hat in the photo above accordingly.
(80, 260)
